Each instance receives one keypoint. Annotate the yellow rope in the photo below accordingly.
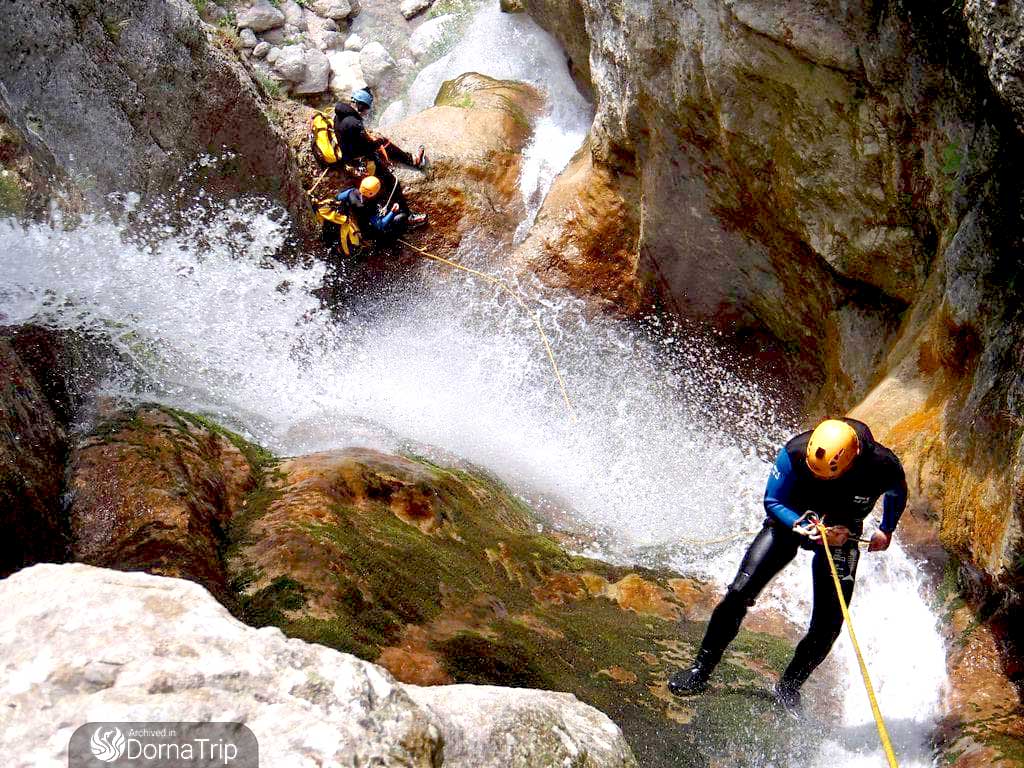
(515, 295)
(882, 732)
(319, 179)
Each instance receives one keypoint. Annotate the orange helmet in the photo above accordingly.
(832, 448)
(369, 187)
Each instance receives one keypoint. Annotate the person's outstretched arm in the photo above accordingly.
(893, 503)
(777, 492)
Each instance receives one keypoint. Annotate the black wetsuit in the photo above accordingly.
(356, 144)
(792, 490)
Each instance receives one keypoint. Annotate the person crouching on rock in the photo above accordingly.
(376, 152)
(374, 224)
(837, 471)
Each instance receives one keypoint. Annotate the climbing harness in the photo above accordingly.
(879, 722)
(515, 295)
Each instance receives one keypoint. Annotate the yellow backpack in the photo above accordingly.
(348, 235)
(322, 139)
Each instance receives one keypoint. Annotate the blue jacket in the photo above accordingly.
(364, 212)
(846, 500)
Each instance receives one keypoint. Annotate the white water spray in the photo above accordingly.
(510, 46)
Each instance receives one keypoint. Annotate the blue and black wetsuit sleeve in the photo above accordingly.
(894, 501)
(777, 493)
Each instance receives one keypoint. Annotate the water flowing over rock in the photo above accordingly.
(84, 644)
(429, 34)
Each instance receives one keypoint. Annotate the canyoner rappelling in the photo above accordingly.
(839, 471)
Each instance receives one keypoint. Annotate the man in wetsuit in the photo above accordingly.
(377, 152)
(838, 472)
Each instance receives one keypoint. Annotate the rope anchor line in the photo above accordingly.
(883, 733)
(515, 295)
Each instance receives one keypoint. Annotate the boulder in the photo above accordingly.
(320, 30)
(155, 489)
(248, 38)
(110, 646)
(411, 8)
(318, 73)
(332, 9)
(474, 137)
(428, 34)
(346, 74)
(375, 62)
(260, 17)
(290, 63)
(294, 15)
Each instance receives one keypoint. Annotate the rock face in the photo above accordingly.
(983, 726)
(126, 95)
(439, 575)
(475, 135)
(154, 489)
(33, 444)
(86, 644)
(997, 36)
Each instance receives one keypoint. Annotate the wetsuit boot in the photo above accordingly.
(787, 695)
(686, 682)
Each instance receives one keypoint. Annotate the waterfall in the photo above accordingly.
(671, 444)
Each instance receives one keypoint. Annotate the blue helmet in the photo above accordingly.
(363, 97)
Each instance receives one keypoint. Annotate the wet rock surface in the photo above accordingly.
(84, 644)
(439, 575)
(126, 96)
(155, 489)
(33, 444)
